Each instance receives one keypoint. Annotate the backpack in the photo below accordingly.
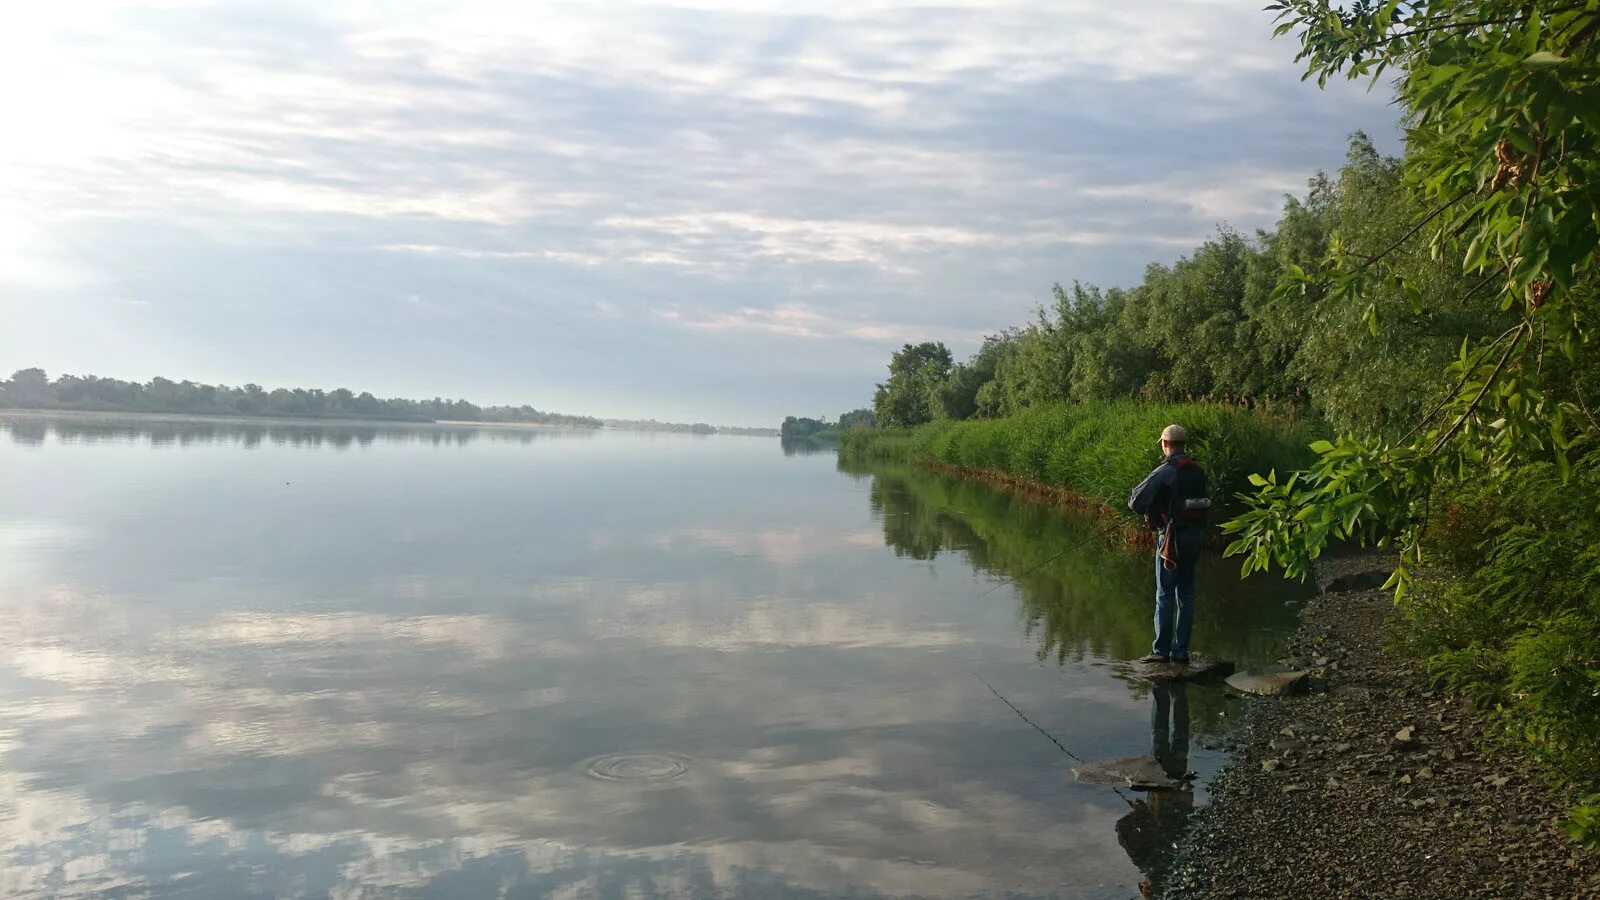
(1189, 502)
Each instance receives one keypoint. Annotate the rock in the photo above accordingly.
(1269, 683)
(1142, 773)
(1272, 765)
(1200, 670)
(1406, 740)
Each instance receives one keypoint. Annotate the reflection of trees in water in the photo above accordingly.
(35, 430)
(1154, 823)
(806, 446)
(1095, 601)
(26, 432)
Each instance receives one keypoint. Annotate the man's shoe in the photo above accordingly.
(1155, 658)
(1181, 660)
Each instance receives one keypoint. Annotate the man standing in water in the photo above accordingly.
(1173, 500)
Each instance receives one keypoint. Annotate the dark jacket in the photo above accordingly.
(1154, 497)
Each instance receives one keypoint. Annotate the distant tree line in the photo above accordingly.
(33, 389)
(653, 425)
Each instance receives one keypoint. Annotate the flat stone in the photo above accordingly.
(1200, 670)
(1142, 773)
(1269, 682)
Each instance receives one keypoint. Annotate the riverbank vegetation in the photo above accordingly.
(1098, 450)
(33, 389)
(1437, 310)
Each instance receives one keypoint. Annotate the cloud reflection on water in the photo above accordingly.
(190, 703)
(353, 725)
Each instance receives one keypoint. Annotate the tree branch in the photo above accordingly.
(1584, 405)
(1482, 23)
(1472, 407)
(1413, 230)
(1465, 375)
(1583, 34)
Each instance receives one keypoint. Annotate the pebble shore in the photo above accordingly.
(1372, 785)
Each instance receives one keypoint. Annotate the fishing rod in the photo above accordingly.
(1102, 532)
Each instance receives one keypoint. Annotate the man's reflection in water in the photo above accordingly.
(1154, 824)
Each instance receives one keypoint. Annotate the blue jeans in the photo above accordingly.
(1175, 594)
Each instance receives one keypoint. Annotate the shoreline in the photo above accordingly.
(1328, 796)
(1322, 800)
(1131, 533)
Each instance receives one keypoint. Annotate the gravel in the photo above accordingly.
(1373, 785)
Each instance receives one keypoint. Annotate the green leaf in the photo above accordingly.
(1544, 59)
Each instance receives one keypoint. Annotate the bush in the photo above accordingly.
(1518, 630)
(1583, 823)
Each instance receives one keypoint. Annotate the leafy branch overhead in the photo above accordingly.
(1502, 116)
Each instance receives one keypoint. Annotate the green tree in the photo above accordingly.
(29, 387)
(857, 418)
(1311, 343)
(1192, 316)
(958, 396)
(1503, 146)
(795, 428)
(916, 374)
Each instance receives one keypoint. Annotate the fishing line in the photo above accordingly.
(1024, 717)
(1099, 533)
(1052, 738)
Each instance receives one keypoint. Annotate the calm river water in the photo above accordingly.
(372, 661)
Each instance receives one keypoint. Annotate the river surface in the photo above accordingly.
(392, 661)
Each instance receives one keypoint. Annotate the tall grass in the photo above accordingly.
(1101, 450)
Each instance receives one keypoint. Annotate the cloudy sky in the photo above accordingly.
(718, 210)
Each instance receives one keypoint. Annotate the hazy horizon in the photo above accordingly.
(691, 210)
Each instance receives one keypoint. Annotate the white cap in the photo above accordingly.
(1174, 434)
